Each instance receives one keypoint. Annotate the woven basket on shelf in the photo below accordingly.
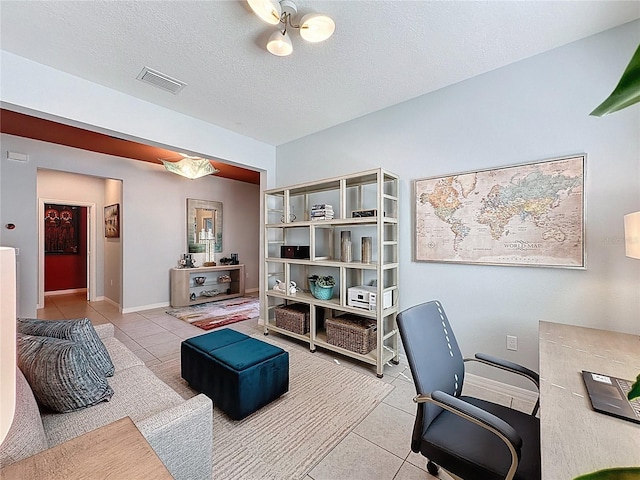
(294, 317)
(357, 334)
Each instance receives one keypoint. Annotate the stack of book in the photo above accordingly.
(322, 211)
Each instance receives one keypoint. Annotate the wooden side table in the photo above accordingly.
(117, 450)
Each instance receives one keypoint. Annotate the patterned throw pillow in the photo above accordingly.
(79, 330)
(61, 377)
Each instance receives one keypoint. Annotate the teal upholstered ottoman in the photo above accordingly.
(239, 373)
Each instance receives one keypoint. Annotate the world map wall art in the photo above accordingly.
(524, 215)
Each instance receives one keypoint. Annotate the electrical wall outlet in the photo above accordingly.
(512, 342)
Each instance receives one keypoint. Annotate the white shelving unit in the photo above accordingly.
(288, 223)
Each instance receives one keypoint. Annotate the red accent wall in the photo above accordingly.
(66, 272)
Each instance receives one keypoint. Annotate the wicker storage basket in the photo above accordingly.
(354, 333)
(294, 318)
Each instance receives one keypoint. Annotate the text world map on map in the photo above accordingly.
(521, 215)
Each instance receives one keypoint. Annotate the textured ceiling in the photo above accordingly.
(383, 52)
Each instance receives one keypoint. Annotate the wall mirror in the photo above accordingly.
(204, 220)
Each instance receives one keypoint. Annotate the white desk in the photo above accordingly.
(574, 438)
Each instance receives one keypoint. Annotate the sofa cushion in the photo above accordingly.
(78, 330)
(26, 436)
(138, 394)
(61, 377)
(121, 356)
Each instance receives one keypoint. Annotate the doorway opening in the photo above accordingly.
(66, 243)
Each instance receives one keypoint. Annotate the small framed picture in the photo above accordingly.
(112, 221)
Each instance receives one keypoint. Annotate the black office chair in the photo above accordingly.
(468, 437)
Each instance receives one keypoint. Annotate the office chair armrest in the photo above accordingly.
(477, 415)
(509, 367)
(480, 417)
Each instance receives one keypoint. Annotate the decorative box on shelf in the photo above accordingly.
(294, 317)
(298, 251)
(357, 334)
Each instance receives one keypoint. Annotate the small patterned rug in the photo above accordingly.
(208, 316)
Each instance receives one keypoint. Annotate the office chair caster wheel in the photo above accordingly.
(432, 468)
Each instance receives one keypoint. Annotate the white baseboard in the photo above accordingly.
(145, 307)
(502, 388)
(110, 302)
(251, 290)
(64, 292)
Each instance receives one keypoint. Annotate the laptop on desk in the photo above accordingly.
(609, 395)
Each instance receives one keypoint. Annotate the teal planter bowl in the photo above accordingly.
(321, 293)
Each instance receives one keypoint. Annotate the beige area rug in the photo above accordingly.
(216, 314)
(288, 437)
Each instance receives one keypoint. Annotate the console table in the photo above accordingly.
(575, 439)
(117, 450)
(226, 280)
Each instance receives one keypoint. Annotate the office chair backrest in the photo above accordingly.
(433, 353)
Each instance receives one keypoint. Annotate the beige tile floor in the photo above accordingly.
(377, 449)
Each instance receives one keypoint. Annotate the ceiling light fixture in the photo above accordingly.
(314, 27)
(190, 167)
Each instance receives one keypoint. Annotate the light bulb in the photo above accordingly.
(316, 27)
(267, 10)
(280, 44)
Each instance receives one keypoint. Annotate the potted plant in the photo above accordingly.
(322, 286)
(626, 93)
(327, 281)
(635, 389)
(312, 283)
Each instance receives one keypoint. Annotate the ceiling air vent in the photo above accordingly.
(160, 80)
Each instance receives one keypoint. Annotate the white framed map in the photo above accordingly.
(526, 215)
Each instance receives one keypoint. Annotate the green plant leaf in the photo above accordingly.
(622, 473)
(626, 93)
(635, 389)
(326, 281)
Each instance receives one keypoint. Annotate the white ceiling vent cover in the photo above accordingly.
(160, 80)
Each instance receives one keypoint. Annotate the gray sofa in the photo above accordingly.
(180, 431)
